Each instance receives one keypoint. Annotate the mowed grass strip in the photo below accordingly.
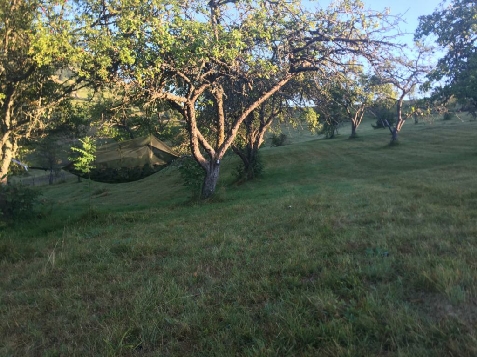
(343, 248)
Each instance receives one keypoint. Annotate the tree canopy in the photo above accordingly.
(183, 53)
(35, 43)
(455, 29)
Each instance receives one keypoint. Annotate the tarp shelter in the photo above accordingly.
(129, 160)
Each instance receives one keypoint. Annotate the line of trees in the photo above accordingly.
(228, 68)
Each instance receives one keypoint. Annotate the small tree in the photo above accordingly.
(326, 94)
(282, 108)
(83, 162)
(405, 73)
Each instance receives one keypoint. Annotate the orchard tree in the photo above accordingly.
(183, 52)
(356, 93)
(284, 107)
(324, 93)
(405, 73)
(30, 57)
(345, 96)
(455, 27)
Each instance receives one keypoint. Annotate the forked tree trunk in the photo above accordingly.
(211, 178)
(249, 154)
(249, 157)
(395, 131)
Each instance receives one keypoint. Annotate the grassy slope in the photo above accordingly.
(344, 247)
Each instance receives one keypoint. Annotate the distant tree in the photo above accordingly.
(49, 152)
(252, 134)
(349, 93)
(384, 112)
(455, 29)
(405, 73)
(327, 94)
(182, 53)
(284, 107)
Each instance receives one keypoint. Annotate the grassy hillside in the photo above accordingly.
(343, 248)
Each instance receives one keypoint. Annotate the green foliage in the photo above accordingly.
(381, 123)
(448, 116)
(383, 113)
(72, 119)
(192, 175)
(254, 169)
(83, 162)
(279, 139)
(329, 127)
(18, 202)
(196, 56)
(453, 27)
(31, 56)
(312, 118)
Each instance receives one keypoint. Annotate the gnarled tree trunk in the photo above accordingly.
(211, 178)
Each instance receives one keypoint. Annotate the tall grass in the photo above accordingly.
(343, 248)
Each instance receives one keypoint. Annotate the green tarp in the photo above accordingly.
(129, 160)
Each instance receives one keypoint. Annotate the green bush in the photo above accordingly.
(192, 174)
(18, 202)
(279, 139)
(448, 116)
(329, 128)
(380, 123)
(254, 170)
(383, 114)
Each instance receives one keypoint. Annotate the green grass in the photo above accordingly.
(343, 248)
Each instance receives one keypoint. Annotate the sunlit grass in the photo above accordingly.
(343, 248)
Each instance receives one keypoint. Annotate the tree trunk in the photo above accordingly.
(211, 178)
(50, 177)
(7, 157)
(353, 130)
(250, 165)
(394, 136)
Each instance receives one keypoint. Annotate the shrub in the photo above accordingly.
(279, 139)
(18, 202)
(254, 169)
(383, 114)
(329, 128)
(448, 116)
(192, 174)
(380, 123)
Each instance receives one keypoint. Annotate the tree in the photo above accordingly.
(325, 94)
(285, 106)
(344, 96)
(181, 53)
(30, 56)
(455, 28)
(359, 92)
(405, 73)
